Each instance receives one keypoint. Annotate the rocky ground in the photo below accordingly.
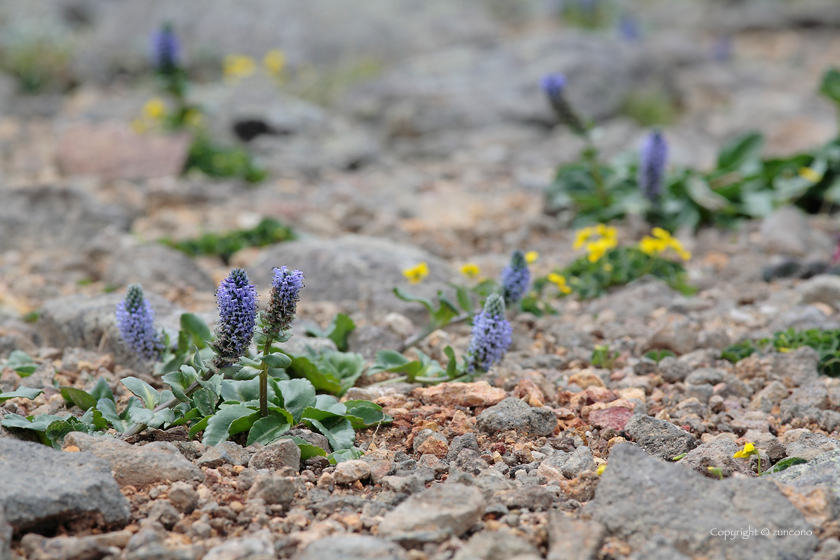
(440, 155)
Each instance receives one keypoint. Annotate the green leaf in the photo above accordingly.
(221, 425)
(464, 299)
(58, 429)
(452, 366)
(394, 362)
(307, 450)
(102, 390)
(740, 150)
(246, 373)
(140, 415)
(23, 392)
(179, 381)
(405, 296)
(830, 86)
(162, 418)
(700, 192)
(322, 377)
(242, 391)
(269, 429)
(277, 360)
(345, 366)
(205, 401)
(22, 363)
(340, 328)
(344, 455)
(338, 431)
(786, 463)
(36, 423)
(199, 426)
(364, 414)
(297, 394)
(146, 392)
(197, 331)
(94, 420)
(108, 409)
(78, 397)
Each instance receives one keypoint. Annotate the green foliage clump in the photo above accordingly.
(267, 232)
(216, 160)
(603, 357)
(40, 61)
(825, 342)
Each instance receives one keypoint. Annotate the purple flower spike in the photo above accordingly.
(136, 323)
(653, 157)
(491, 336)
(237, 301)
(164, 49)
(553, 85)
(285, 294)
(515, 278)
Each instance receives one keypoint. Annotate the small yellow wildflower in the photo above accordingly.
(717, 471)
(531, 257)
(810, 174)
(470, 270)
(601, 468)
(238, 66)
(749, 449)
(607, 239)
(560, 282)
(274, 62)
(154, 109)
(416, 273)
(661, 242)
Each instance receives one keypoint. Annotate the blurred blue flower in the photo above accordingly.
(136, 323)
(653, 157)
(628, 28)
(516, 278)
(491, 336)
(554, 86)
(285, 293)
(164, 49)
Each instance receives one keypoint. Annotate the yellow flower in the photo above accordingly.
(749, 449)
(598, 249)
(582, 236)
(560, 281)
(531, 257)
(717, 471)
(470, 270)
(237, 66)
(274, 62)
(416, 273)
(154, 109)
(607, 238)
(601, 468)
(810, 174)
(661, 242)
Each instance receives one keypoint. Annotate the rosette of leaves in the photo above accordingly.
(825, 341)
(268, 232)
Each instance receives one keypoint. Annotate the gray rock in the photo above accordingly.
(513, 414)
(787, 231)
(275, 456)
(348, 472)
(136, 465)
(155, 265)
(579, 461)
(811, 445)
(164, 513)
(703, 376)
(259, 546)
(640, 497)
(273, 489)
(434, 515)
(466, 441)
(495, 545)
(63, 548)
(42, 487)
(352, 547)
(50, 217)
(5, 537)
(824, 288)
(796, 368)
(367, 340)
(423, 435)
(157, 551)
(829, 550)
(658, 437)
(353, 269)
(226, 452)
(672, 370)
(573, 539)
(804, 401)
(718, 453)
(89, 322)
(824, 470)
(772, 394)
(404, 484)
(469, 461)
(658, 548)
(533, 498)
(316, 439)
(802, 317)
(183, 497)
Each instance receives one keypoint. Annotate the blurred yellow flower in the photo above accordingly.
(661, 242)
(606, 239)
(154, 109)
(809, 174)
(531, 257)
(274, 62)
(749, 449)
(601, 468)
(416, 273)
(470, 270)
(560, 281)
(237, 66)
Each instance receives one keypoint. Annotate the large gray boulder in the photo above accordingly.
(357, 271)
(640, 498)
(352, 547)
(40, 487)
(156, 266)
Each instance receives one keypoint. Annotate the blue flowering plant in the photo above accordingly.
(741, 185)
(240, 381)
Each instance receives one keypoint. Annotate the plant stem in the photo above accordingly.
(264, 379)
(414, 339)
(590, 153)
